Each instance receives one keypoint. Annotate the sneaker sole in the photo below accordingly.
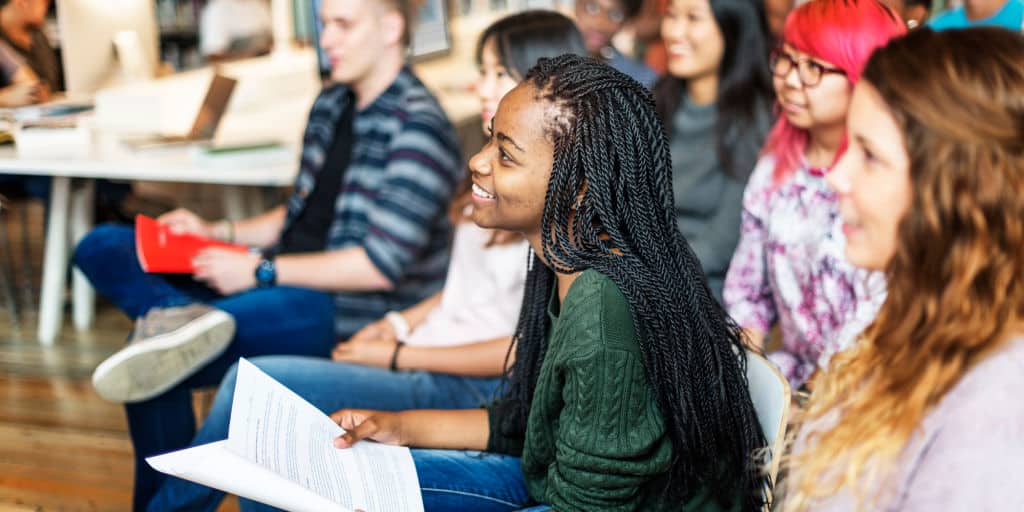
(143, 371)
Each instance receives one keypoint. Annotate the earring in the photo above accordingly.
(912, 24)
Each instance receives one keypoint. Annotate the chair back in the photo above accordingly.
(770, 392)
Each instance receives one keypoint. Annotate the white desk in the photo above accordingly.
(108, 158)
(271, 101)
(262, 82)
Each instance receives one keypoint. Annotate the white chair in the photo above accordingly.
(769, 391)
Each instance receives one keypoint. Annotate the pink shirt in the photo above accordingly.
(483, 292)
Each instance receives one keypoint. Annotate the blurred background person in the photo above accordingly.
(789, 269)
(599, 21)
(1001, 13)
(716, 105)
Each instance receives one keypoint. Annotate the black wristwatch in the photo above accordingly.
(266, 272)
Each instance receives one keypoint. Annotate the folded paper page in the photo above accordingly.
(290, 443)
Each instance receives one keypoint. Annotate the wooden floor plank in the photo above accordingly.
(62, 448)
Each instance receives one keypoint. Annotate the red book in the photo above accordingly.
(163, 251)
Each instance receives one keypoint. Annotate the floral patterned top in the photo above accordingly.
(790, 268)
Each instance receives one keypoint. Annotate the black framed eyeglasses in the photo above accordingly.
(807, 70)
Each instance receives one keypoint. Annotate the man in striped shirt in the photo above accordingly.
(364, 232)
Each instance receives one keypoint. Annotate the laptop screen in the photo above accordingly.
(213, 107)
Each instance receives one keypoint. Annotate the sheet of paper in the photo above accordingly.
(275, 428)
(214, 466)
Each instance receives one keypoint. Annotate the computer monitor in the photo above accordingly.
(101, 40)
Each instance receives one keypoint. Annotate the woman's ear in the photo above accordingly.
(916, 14)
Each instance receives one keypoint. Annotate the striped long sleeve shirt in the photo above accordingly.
(394, 197)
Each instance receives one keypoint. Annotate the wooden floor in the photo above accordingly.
(62, 448)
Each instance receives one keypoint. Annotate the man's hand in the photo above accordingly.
(226, 271)
(184, 221)
(366, 351)
(359, 424)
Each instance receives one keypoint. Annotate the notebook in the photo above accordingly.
(163, 251)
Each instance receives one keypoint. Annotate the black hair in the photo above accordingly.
(927, 4)
(745, 92)
(631, 7)
(523, 38)
(609, 207)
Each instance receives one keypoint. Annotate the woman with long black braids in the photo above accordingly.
(628, 389)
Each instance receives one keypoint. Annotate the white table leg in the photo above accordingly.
(255, 203)
(234, 202)
(84, 297)
(51, 301)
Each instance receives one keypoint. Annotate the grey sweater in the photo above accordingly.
(967, 455)
(708, 201)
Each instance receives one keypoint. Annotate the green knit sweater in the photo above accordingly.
(595, 438)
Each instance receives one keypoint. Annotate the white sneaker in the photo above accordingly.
(166, 347)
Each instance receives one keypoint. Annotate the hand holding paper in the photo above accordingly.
(280, 452)
(380, 426)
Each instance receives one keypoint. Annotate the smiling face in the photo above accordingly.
(812, 106)
(694, 41)
(494, 83)
(872, 179)
(511, 173)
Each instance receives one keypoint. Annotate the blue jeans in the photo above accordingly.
(467, 480)
(454, 481)
(329, 386)
(275, 320)
(38, 187)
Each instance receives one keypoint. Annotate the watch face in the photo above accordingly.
(265, 273)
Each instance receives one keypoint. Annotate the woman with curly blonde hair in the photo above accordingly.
(924, 413)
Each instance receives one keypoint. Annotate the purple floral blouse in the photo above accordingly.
(790, 268)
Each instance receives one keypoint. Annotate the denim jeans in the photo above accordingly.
(454, 481)
(329, 386)
(275, 320)
(38, 187)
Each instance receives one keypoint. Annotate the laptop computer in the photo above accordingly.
(205, 125)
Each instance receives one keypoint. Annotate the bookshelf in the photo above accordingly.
(178, 22)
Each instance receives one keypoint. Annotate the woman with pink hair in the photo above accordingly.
(789, 268)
